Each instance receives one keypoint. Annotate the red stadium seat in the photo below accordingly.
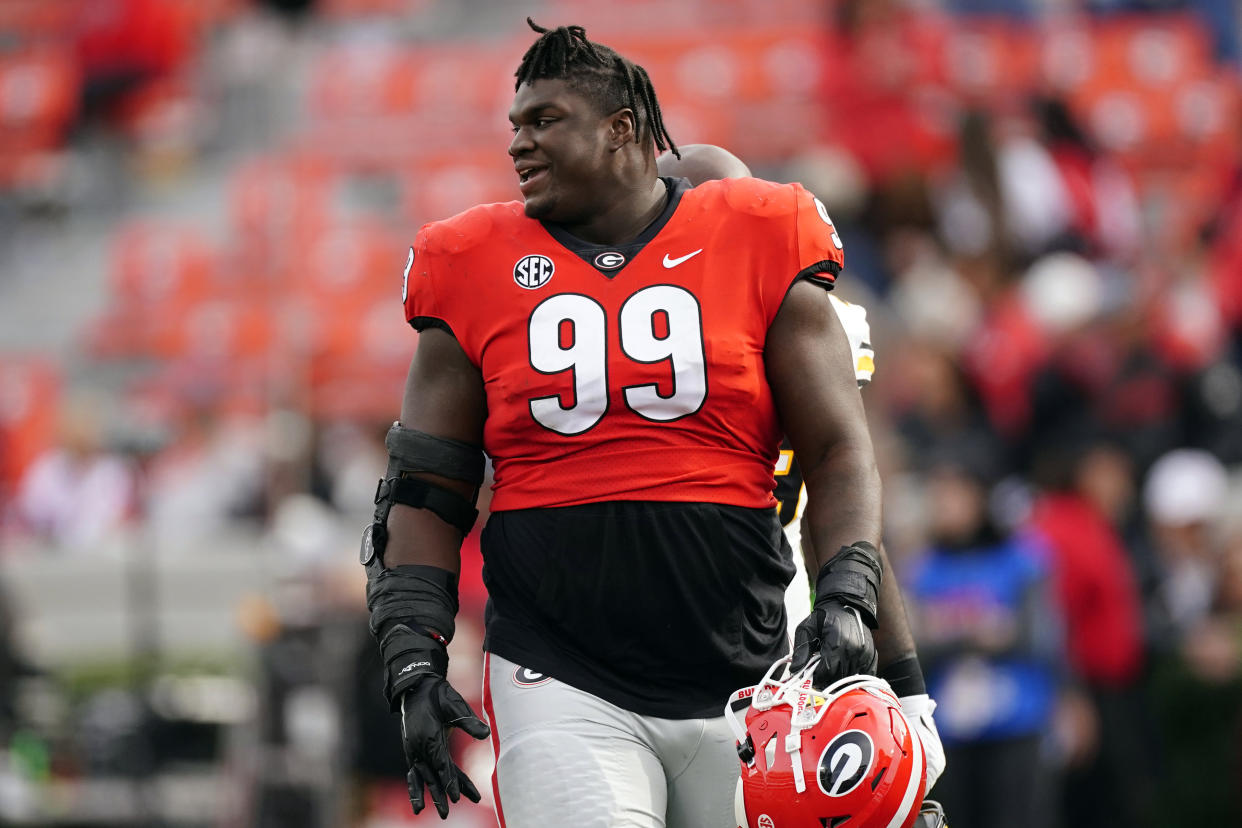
(348, 264)
(368, 79)
(991, 62)
(39, 90)
(1151, 50)
(441, 185)
(159, 265)
(277, 203)
(28, 22)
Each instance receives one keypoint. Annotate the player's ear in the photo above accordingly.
(622, 128)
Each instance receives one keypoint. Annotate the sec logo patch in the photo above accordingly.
(765, 821)
(533, 271)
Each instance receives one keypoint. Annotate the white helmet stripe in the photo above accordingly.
(739, 805)
(908, 801)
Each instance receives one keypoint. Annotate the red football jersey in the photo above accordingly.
(626, 372)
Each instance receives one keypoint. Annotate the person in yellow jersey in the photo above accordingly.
(706, 162)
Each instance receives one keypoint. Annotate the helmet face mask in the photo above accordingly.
(839, 757)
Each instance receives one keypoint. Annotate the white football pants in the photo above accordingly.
(568, 759)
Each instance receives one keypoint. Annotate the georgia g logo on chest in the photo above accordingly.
(662, 370)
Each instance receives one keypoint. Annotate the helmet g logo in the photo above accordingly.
(533, 271)
(844, 763)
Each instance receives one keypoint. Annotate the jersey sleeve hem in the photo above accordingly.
(422, 323)
(822, 273)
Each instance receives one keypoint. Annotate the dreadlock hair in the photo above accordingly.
(599, 74)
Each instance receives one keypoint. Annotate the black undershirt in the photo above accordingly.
(663, 609)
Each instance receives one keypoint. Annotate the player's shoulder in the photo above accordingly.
(751, 196)
(471, 228)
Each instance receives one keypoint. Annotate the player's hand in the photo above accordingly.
(429, 709)
(836, 633)
(918, 710)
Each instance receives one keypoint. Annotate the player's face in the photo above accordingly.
(559, 150)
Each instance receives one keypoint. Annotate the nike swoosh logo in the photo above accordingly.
(674, 262)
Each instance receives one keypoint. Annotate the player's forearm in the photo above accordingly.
(893, 638)
(417, 536)
(843, 500)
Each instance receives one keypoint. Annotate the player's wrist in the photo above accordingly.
(412, 617)
(851, 577)
(905, 676)
(409, 657)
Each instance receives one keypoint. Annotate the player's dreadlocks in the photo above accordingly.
(597, 72)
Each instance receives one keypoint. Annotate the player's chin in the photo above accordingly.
(539, 206)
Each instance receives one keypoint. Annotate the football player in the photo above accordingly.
(628, 351)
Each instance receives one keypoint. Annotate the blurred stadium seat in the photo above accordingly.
(29, 390)
(39, 92)
(436, 185)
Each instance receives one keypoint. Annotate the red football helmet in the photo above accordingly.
(842, 757)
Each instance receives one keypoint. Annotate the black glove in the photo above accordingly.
(428, 710)
(838, 629)
(412, 609)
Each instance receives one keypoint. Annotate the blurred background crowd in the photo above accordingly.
(204, 210)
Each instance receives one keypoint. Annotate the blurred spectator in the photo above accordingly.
(1101, 366)
(1033, 196)
(1197, 685)
(934, 302)
(1183, 497)
(1109, 774)
(126, 46)
(970, 196)
(990, 647)
(1212, 410)
(1102, 204)
(937, 412)
(208, 479)
(78, 493)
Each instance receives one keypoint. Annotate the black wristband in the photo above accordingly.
(412, 617)
(408, 657)
(905, 676)
(852, 577)
(424, 595)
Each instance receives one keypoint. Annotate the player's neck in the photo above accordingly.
(627, 217)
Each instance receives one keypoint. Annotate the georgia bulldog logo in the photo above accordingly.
(844, 763)
(610, 260)
(526, 677)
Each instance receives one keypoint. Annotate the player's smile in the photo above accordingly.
(530, 175)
